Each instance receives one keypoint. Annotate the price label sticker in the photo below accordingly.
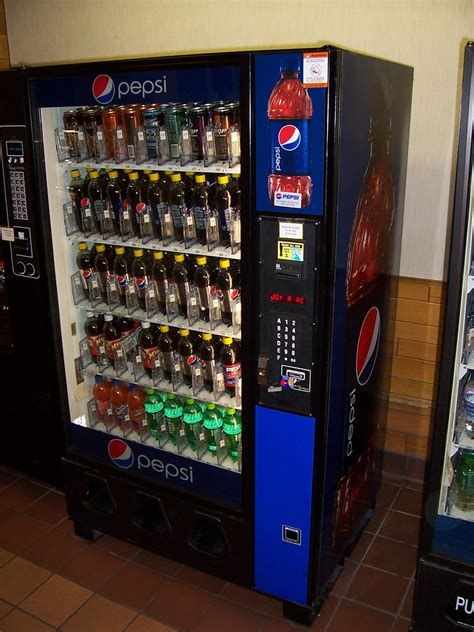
(185, 134)
(80, 135)
(146, 218)
(106, 213)
(212, 221)
(209, 136)
(126, 215)
(162, 134)
(141, 136)
(151, 293)
(181, 433)
(99, 136)
(119, 134)
(87, 212)
(189, 221)
(201, 436)
(62, 135)
(222, 443)
(138, 359)
(192, 301)
(234, 136)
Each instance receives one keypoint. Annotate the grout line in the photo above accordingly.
(366, 605)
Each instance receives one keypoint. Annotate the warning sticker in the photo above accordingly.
(290, 251)
(315, 70)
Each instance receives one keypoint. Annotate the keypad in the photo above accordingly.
(17, 185)
(286, 335)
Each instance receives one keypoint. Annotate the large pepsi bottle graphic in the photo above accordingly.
(289, 111)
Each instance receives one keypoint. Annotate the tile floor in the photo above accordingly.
(52, 580)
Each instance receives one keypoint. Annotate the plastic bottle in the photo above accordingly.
(135, 200)
(200, 207)
(101, 393)
(75, 189)
(165, 178)
(188, 188)
(222, 203)
(85, 264)
(136, 409)
(102, 269)
(232, 427)
(112, 338)
(186, 353)
(155, 202)
(166, 349)
(469, 407)
(97, 199)
(192, 417)
(114, 197)
(464, 479)
(93, 331)
(180, 277)
(212, 424)
(173, 416)
(160, 277)
(289, 111)
(121, 273)
(148, 346)
(154, 411)
(118, 400)
(202, 281)
(177, 204)
(139, 273)
(227, 290)
(86, 181)
(207, 356)
(229, 357)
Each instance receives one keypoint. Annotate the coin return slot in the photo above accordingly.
(97, 496)
(291, 535)
(208, 536)
(150, 515)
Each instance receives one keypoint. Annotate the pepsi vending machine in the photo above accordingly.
(220, 230)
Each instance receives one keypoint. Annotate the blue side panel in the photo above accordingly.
(454, 538)
(186, 474)
(284, 446)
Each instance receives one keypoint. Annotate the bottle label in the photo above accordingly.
(137, 416)
(168, 361)
(122, 282)
(94, 342)
(111, 348)
(200, 213)
(148, 357)
(85, 276)
(231, 373)
(208, 369)
(290, 147)
(102, 406)
(120, 413)
(177, 212)
(98, 209)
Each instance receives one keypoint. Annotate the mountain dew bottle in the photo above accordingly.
(232, 426)
(212, 425)
(154, 409)
(173, 415)
(192, 417)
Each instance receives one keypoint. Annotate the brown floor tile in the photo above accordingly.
(18, 621)
(407, 607)
(67, 526)
(419, 486)
(4, 608)
(278, 625)
(394, 464)
(118, 547)
(410, 501)
(99, 614)
(54, 549)
(402, 625)
(322, 618)
(249, 598)
(145, 624)
(18, 531)
(402, 527)
(392, 556)
(20, 494)
(180, 605)
(5, 556)
(355, 617)
(6, 479)
(231, 617)
(133, 586)
(361, 547)
(92, 567)
(51, 508)
(377, 589)
(376, 520)
(386, 494)
(157, 562)
(416, 469)
(55, 600)
(344, 578)
(201, 580)
(19, 578)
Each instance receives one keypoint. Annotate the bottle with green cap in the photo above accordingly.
(97, 201)
(180, 277)
(173, 416)
(223, 206)
(232, 427)
(75, 193)
(192, 417)
(200, 207)
(177, 205)
(135, 200)
(155, 202)
(154, 410)
(212, 424)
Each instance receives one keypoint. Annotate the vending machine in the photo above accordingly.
(219, 231)
(444, 589)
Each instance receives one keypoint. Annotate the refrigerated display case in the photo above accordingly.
(286, 272)
(445, 576)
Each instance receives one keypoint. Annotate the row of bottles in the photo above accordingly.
(204, 428)
(155, 206)
(195, 288)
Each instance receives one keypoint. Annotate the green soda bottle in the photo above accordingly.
(212, 424)
(192, 418)
(173, 415)
(154, 411)
(464, 497)
(232, 426)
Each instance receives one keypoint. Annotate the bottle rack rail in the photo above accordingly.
(173, 165)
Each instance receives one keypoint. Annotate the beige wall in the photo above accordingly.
(425, 34)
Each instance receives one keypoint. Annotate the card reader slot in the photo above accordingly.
(288, 274)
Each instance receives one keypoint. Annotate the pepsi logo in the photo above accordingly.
(140, 207)
(141, 282)
(234, 294)
(192, 360)
(289, 137)
(103, 89)
(120, 453)
(86, 274)
(278, 195)
(122, 280)
(368, 346)
(84, 202)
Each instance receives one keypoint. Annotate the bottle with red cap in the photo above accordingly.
(148, 345)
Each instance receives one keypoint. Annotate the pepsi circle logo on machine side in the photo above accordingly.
(120, 453)
(368, 346)
(289, 137)
(103, 89)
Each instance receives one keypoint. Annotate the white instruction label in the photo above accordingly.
(8, 234)
(315, 70)
(289, 230)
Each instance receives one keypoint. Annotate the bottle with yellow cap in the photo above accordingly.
(177, 205)
(180, 277)
(228, 290)
(159, 275)
(207, 356)
(200, 206)
(121, 273)
(135, 200)
(229, 357)
(165, 179)
(202, 280)
(167, 352)
(186, 355)
(87, 179)
(155, 202)
(102, 270)
(139, 273)
(222, 202)
(75, 193)
(114, 198)
(96, 198)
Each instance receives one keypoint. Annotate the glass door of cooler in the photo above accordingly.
(144, 209)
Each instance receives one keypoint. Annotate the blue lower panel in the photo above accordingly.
(454, 538)
(284, 445)
(190, 475)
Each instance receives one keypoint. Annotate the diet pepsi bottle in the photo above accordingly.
(289, 111)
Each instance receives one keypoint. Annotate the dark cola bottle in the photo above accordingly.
(136, 201)
(207, 358)
(102, 270)
(186, 353)
(97, 199)
(177, 203)
(180, 277)
(75, 189)
(148, 345)
(115, 199)
(227, 290)
(201, 207)
(139, 273)
(121, 273)
(202, 281)
(166, 348)
(159, 275)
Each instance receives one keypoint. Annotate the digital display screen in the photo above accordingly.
(14, 148)
(275, 297)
